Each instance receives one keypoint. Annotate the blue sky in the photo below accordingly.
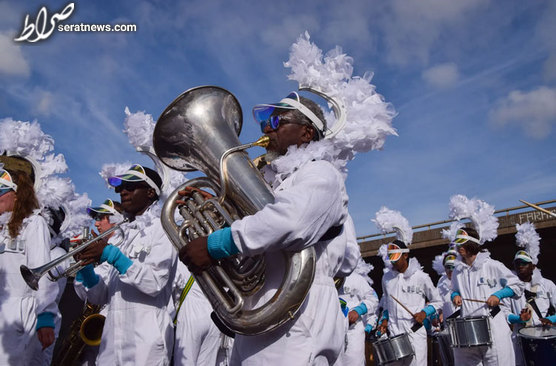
(473, 82)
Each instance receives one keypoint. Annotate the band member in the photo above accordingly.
(531, 309)
(24, 240)
(444, 266)
(309, 201)
(359, 302)
(133, 279)
(106, 215)
(198, 339)
(477, 278)
(406, 284)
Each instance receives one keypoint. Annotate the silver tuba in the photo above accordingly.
(199, 131)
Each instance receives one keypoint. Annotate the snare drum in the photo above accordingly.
(470, 332)
(393, 349)
(538, 345)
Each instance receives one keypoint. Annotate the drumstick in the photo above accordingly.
(402, 305)
(539, 208)
(475, 300)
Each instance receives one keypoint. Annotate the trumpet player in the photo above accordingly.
(133, 279)
(106, 216)
(24, 240)
(310, 209)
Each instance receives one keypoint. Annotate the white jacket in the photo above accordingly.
(479, 281)
(444, 287)
(307, 204)
(19, 304)
(138, 328)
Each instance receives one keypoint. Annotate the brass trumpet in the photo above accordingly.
(33, 275)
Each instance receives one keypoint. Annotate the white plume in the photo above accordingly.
(383, 253)
(368, 116)
(438, 264)
(451, 232)
(528, 238)
(139, 128)
(363, 268)
(479, 212)
(388, 220)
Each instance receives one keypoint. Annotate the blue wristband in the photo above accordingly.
(87, 276)
(515, 319)
(429, 310)
(368, 328)
(360, 309)
(45, 320)
(454, 294)
(115, 257)
(220, 244)
(505, 292)
(552, 318)
(384, 315)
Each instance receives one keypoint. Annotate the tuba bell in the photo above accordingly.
(199, 131)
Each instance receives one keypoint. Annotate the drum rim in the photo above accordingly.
(552, 336)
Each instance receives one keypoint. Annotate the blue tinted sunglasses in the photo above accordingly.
(273, 122)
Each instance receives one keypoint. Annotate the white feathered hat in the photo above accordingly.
(388, 221)
(481, 215)
(527, 238)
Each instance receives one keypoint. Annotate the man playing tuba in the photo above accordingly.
(310, 209)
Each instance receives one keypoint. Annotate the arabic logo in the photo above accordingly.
(39, 28)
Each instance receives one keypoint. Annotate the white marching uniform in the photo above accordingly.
(197, 338)
(138, 327)
(356, 291)
(36, 354)
(19, 304)
(545, 291)
(308, 202)
(479, 281)
(444, 287)
(411, 288)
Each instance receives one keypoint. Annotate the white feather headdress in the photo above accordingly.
(368, 116)
(53, 192)
(451, 232)
(438, 264)
(479, 212)
(139, 128)
(388, 221)
(528, 238)
(363, 268)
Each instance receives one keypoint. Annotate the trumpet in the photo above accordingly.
(76, 266)
(32, 275)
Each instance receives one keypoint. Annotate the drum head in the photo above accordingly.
(538, 332)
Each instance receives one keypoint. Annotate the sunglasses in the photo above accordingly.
(130, 186)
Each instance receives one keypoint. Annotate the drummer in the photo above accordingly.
(476, 278)
(444, 268)
(408, 283)
(531, 309)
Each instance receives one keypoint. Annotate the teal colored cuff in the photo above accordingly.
(115, 257)
(505, 292)
(87, 276)
(368, 328)
(360, 309)
(45, 320)
(220, 244)
(454, 294)
(427, 324)
(429, 310)
(515, 319)
(384, 315)
(552, 318)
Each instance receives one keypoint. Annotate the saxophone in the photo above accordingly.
(86, 330)
(198, 131)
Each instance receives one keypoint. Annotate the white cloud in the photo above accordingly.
(12, 61)
(44, 106)
(535, 111)
(412, 28)
(442, 75)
